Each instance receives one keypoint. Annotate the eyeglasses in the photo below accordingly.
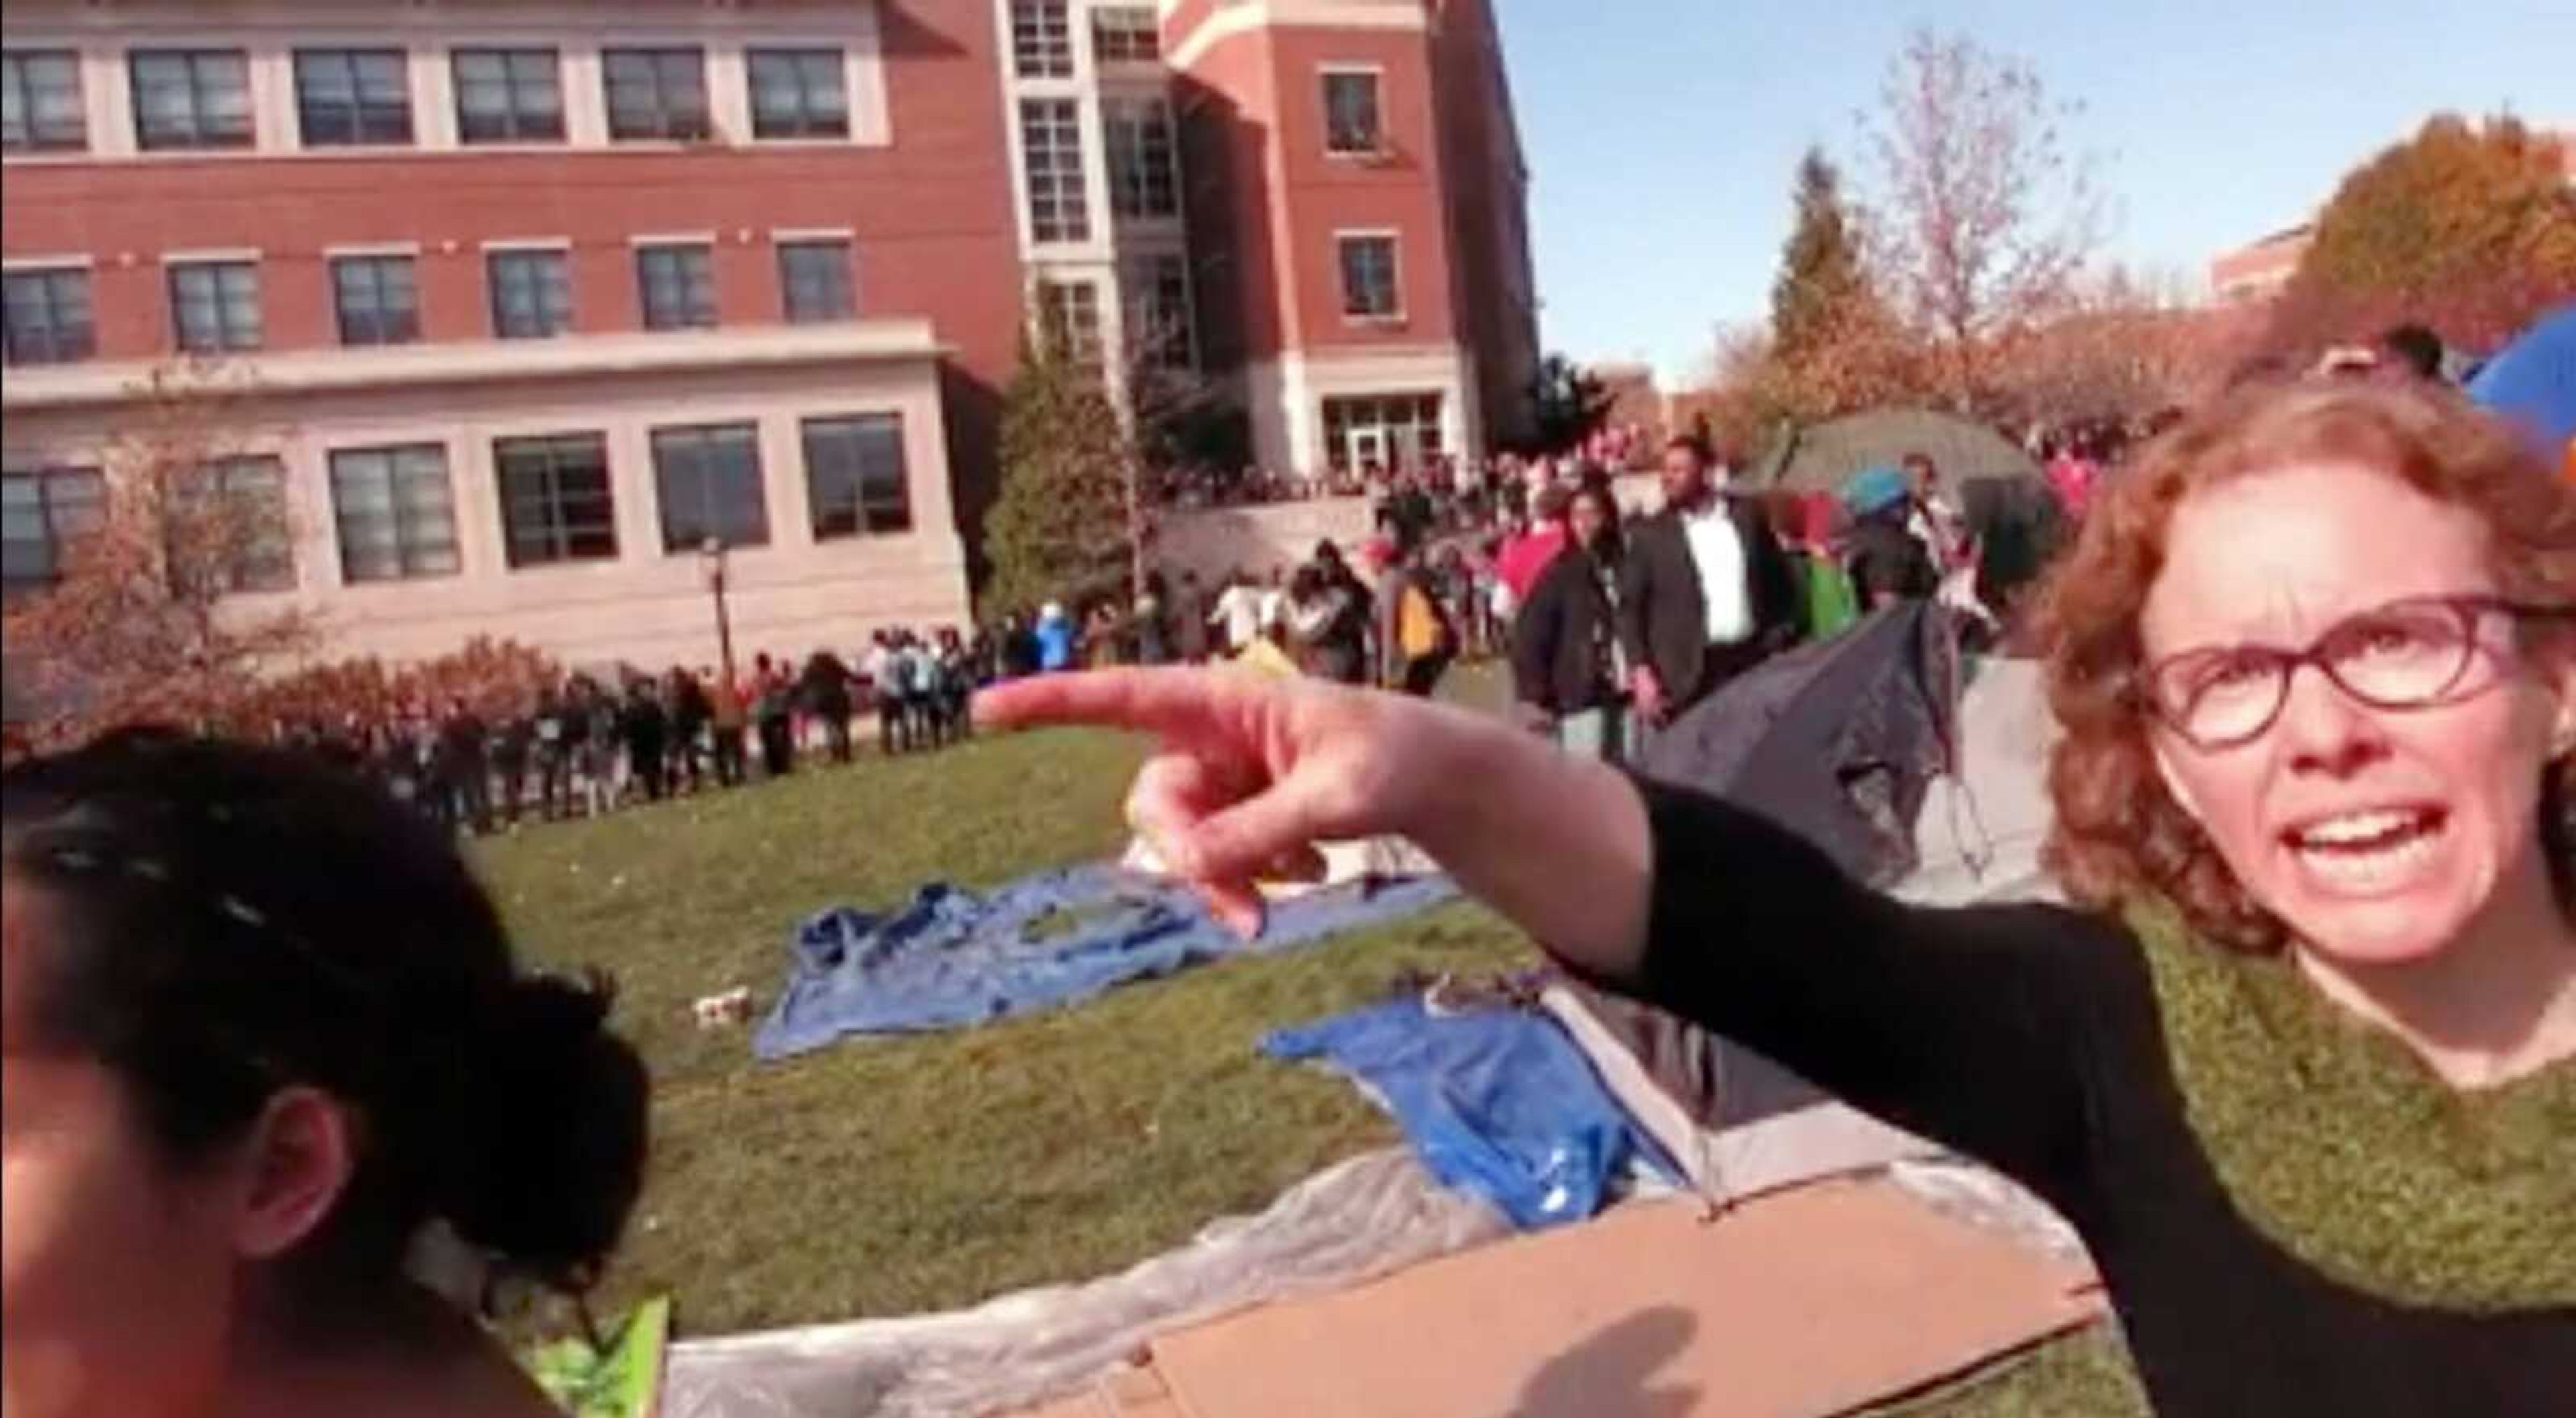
(2417, 653)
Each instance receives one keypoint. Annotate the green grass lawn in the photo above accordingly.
(882, 1176)
(886, 1176)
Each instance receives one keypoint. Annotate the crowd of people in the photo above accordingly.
(584, 744)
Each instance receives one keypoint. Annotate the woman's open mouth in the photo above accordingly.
(2369, 851)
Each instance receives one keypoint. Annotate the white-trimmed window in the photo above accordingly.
(656, 93)
(40, 102)
(253, 550)
(1369, 287)
(1069, 320)
(1351, 125)
(508, 95)
(708, 476)
(42, 510)
(675, 282)
(1041, 39)
(798, 93)
(531, 293)
(855, 481)
(49, 318)
(1051, 146)
(1383, 431)
(814, 280)
(395, 511)
(352, 97)
(1144, 167)
(191, 98)
(214, 305)
(1158, 309)
(376, 299)
(1125, 34)
(556, 500)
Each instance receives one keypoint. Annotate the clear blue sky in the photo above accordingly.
(1661, 133)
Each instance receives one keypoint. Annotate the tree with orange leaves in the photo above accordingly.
(145, 623)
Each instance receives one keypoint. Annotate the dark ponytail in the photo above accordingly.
(217, 921)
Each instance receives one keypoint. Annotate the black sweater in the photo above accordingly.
(1561, 638)
(2030, 1037)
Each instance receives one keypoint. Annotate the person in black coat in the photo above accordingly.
(1565, 641)
(1678, 652)
(647, 730)
(825, 690)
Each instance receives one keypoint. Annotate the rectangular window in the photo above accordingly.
(1144, 180)
(531, 294)
(42, 511)
(377, 299)
(191, 98)
(248, 547)
(1069, 312)
(656, 93)
(508, 96)
(798, 93)
(349, 97)
(1158, 310)
(1125, 34)
(1383, 431)
(1041, 39)
(709, 480)
(395, 511)
(1350, 111)
(677, 284)
(1051, 143)
(555, 499)
(1368, 277)
(40, 102)
(49, 319)
(214, 305)
(814, 280)
(854, 475)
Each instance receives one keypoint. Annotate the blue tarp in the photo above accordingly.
(1495, 1101)
(955, 958)
(2533, 380)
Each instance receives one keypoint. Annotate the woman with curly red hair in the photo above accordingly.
(2299, 1057)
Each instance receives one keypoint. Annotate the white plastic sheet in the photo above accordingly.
(1362, 1218)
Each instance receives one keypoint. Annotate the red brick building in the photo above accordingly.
(531, 301)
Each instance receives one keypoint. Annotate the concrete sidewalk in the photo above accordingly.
(1807, 1302)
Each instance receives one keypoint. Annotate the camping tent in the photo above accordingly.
(1822, 457)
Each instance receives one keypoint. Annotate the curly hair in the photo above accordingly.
(2119, 833)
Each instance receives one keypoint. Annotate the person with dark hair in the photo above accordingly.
(2414, 349)
(646, 729)
(600, 756)
(276, 1090)
(1416, 639)
(690, 710)
(1565, 645)
(825, 689)
(1708, 592)
(512, 740)
(461, 769)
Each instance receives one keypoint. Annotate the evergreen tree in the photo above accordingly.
(1821, 286)
(1065, 525)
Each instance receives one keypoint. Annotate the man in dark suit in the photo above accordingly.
(1706, 593)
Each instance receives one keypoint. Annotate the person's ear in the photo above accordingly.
(296, 1164)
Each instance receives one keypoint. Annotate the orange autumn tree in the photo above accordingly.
(145, 623)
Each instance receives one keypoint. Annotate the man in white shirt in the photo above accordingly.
(1705, 593)
(1238, 610)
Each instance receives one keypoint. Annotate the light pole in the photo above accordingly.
(711, 560)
